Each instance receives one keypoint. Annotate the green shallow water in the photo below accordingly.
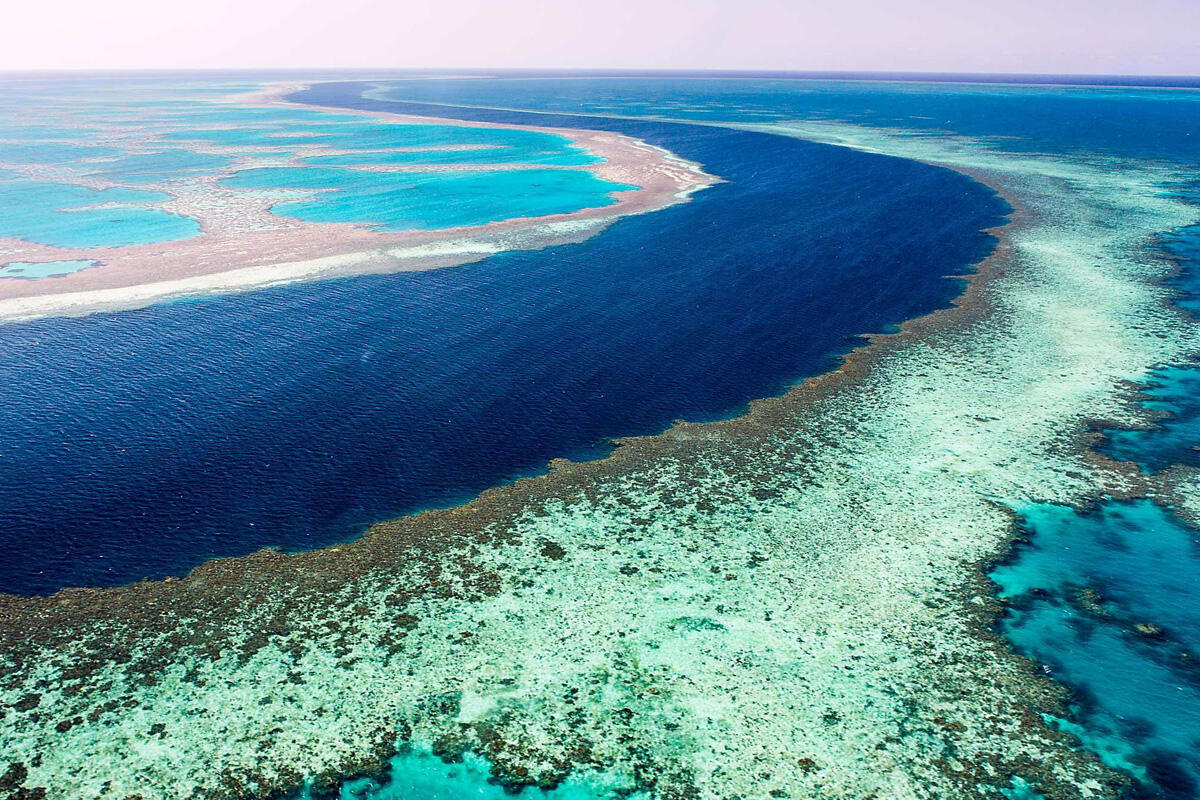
(163, 162)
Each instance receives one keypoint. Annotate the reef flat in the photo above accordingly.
(790, 603)
(194, 196)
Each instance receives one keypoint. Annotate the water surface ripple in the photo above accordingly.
(143, 443)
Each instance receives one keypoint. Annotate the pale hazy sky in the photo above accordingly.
(1058, 36)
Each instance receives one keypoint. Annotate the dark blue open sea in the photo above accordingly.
(142, 443)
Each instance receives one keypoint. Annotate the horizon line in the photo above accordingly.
(595, 71)
(1097, 80)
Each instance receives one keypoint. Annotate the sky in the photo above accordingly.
(1131, 37)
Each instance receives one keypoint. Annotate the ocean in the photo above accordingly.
(142, 443)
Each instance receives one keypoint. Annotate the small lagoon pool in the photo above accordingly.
(36, 270)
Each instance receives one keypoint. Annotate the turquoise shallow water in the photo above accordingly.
(1174, 390)
(1078, 592)
(165, 163)
(185, 112)
(395, 201)
(515, 146)
(41, 132)
(66, 216)
(489, 154)
(51, 152)
(423, 776)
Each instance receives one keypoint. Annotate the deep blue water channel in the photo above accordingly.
(139, 444)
